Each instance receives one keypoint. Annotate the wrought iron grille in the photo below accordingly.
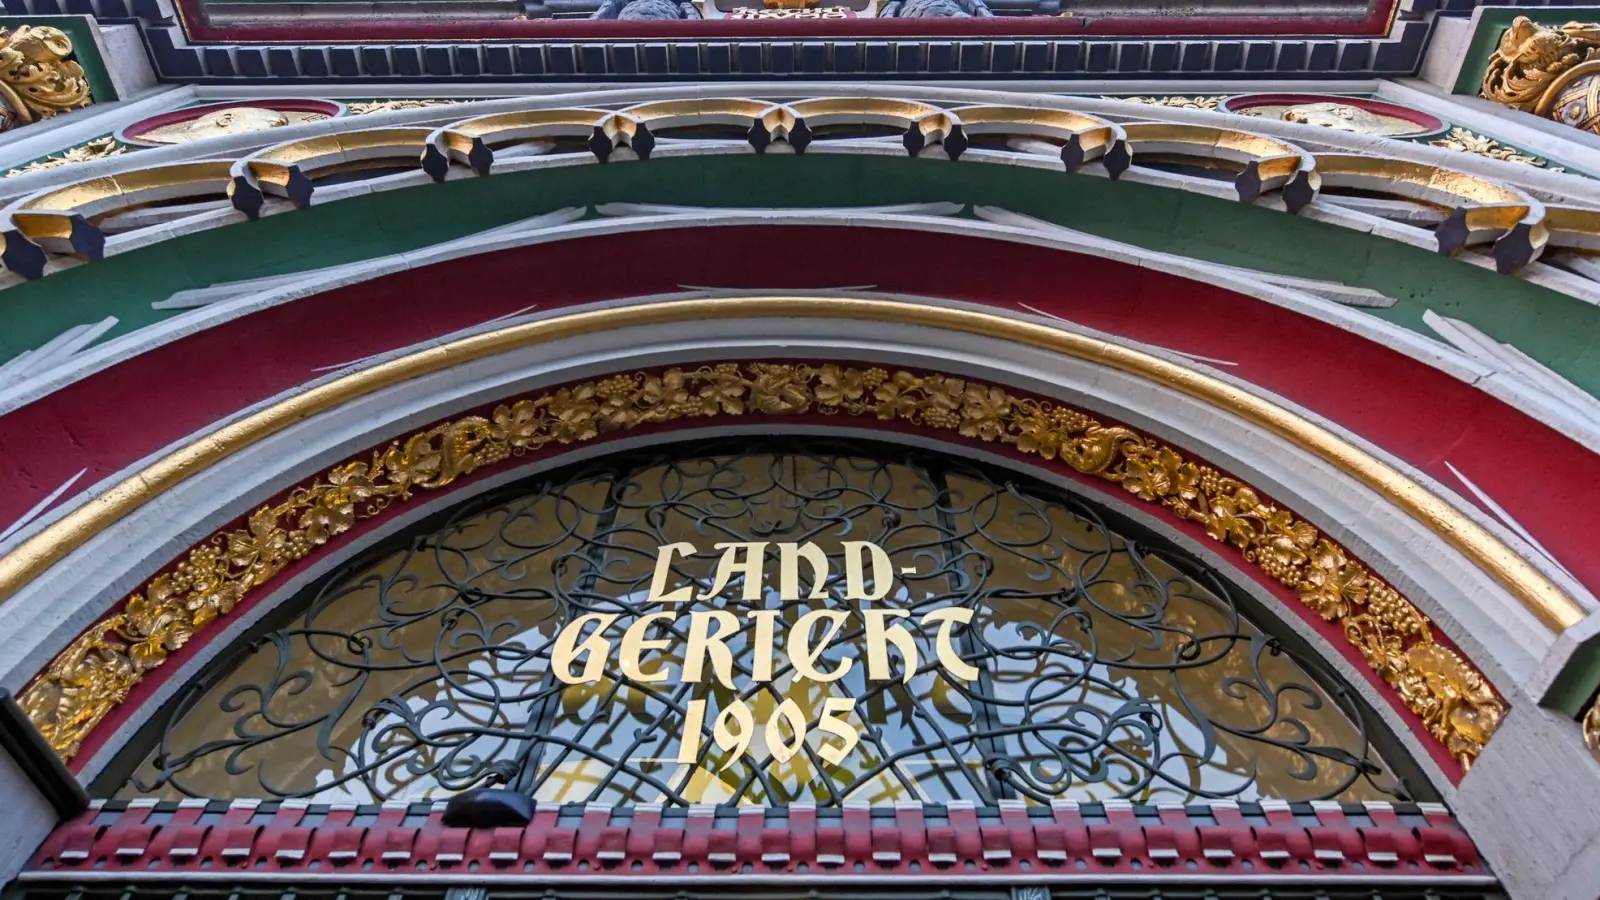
(1111, 665)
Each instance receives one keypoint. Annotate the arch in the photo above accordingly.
(92, 654)
(458, 618)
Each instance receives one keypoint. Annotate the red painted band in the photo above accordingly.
(109, 420)
(1373, 23)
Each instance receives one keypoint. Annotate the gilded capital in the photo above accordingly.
(36, 78)
(1547, 71)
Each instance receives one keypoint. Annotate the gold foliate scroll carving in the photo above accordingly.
(361, 108)
(1534, 66)
(1463, 141)
(1210, 103)
(36, 78)
(87, 681)
(99, 148)
(1591, 729)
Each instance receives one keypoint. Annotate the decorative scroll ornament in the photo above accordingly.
(99, 148)
(1591, 729)
(95, 674)
(1210, 103)
(1463, 141)
(364, 107)
(1542, 70)
(36, 78)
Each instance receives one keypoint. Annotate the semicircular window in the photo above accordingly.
(765, 624)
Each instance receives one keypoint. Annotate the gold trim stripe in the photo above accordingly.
(1553, 606)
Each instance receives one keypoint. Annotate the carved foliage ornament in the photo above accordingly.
(1591, 729)
(1210, 103)
(99, 148)
(1463, 141)
(36, 78)
(1547, 71)
(92, 676)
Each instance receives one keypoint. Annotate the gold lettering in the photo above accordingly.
(855, 583)
(789, 556)
(704, 642)
(948, 618)
(730, 564)
(880, 634)
(634, 644)
(694, 722)
(658, 584)
(803, 654)
(735, 743)
(788, 713)
(832, 723)
(567, 649)
(766, 626)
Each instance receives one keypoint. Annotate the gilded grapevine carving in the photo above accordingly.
(88, 680)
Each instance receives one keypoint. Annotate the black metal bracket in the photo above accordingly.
(38, 761)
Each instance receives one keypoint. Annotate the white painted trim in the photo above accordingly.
(1491, 626)
(1043, 94)
(57, 351)
(1336, 291)
(1439, 356)
(112, 352)
(1501, 514)
(70, 129)
(1562, 143)
(1559, 398)
(41, 506)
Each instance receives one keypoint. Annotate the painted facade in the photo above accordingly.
(650, 449)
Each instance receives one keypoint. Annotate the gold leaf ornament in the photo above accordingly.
(1207, 103)
(1534, 66)
(91, 677)
(99, 148)
(37, 80)
(1591, 729)
(1463, 141)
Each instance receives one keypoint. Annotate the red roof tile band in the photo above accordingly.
(1267, 840)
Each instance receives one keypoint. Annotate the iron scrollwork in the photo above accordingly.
(1110, 667)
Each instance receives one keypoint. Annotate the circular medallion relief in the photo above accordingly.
(1352, 114)
(196, 123)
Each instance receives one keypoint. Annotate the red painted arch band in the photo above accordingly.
(1425, 417)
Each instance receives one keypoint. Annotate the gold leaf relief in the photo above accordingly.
(87, 681)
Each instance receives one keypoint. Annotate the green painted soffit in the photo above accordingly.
(1559, 331)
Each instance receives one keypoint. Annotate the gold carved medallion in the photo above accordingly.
(228, 121)
(1339, 117)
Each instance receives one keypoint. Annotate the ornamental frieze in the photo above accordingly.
(92, 677)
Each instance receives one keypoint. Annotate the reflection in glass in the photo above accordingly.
(1107, 667)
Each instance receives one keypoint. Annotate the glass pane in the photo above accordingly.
(1011, 645)
(1116, 675)
(413, 677)
(775, 499)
